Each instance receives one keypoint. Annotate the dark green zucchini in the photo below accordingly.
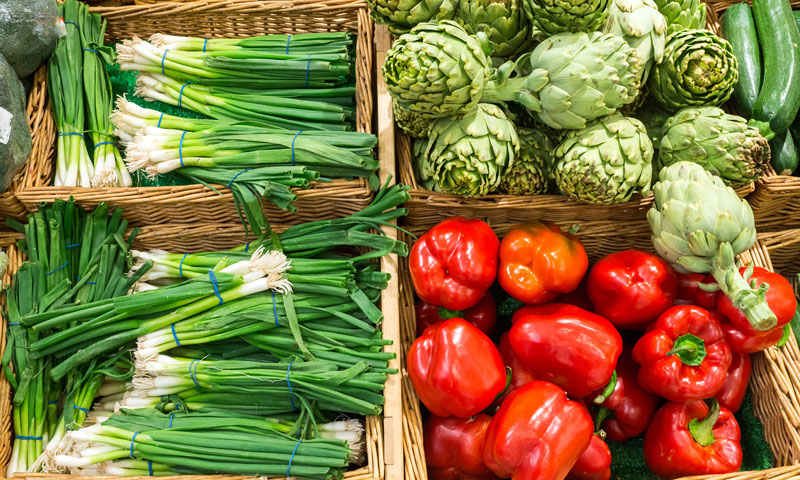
(739, 28)
(784, 154)
(778, 34)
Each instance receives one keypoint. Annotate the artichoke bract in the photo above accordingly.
(641, 25)
(469, 155)
(412, 123)
(722, 143)
(699, 225)
(654, 118)
(402, 15)
(699, 69)
(503, 21)
(530, 174)
(682, 14)
(606, 162)
(437, 70)
(550, 17)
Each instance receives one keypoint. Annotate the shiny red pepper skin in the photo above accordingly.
(732, 393)
(690, 294)
(741, 342)
(670, 450)
(594, 463)
(519, 374)
(566, 345)
(632, 407)
(455, 369)
(631, 288)
(780, 298)
(453, 448)
(578, 297)
(670, 376)
(483, 315)
(454, 263)
(538, 434)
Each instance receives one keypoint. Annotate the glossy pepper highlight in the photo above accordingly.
(454, 263)
(538, 262)
(483, 315)
(453, 448)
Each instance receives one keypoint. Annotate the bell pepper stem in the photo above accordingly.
(508, 383)
(602, 414)
(787, 330)
(752, 302)
(690, 349)
(612, 384)
(447, 314)
(703, 430)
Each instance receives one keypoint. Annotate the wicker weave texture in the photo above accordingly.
(211, 19)
(775, 381)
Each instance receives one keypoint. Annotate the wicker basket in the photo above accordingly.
(784, 250)
(775, 381)
(776, 199)
(203, 237)
(213, 18)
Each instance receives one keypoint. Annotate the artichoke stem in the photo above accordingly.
(751, 302)
(505, 91)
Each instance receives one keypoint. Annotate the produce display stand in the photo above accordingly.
(210, 19)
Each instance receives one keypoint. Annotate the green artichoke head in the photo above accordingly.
(641, 25)
(468, 155)
(437, 70)
(683, 14)
(653, 117)
(550, 17)
(412, 123)
(606, 162)
(530, 173)
(722, 143)
(402, 15)
(503, 21)
(698, 69)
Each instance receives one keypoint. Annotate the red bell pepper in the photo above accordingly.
(594, 463)
(566, 345)
(684, 357)
(455, 369)
(780, 298)
(538, 434)
(691, 439)
(741, 342)
(519, 374)
(483, 315)
(453, 448)
(578, 297)
(732, 393)
(689, 293)
(538, 261)
(631, 288)
(454, 263)
(626, 413)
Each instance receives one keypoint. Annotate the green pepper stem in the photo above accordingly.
(690, 349)
(751, 302)
(612, 384)
(787, 330)
(602, 414)
(702, 431)
(447, 314)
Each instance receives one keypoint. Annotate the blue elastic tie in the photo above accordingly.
(64, 134)
(246, 247)
(89, 49)
(292, 458)
(288, 39)
(175, 335)
(180, 95)
(159, 120)
(275, 312)
(84, 410)
(216, 287)
(150, 467)
(78, 27)
(293, 139)
(105, 143)
(11, 324)
(74, 245)
(53, 402)
(180, 145)
(132, 440)
(28, 438)
(180, 265)
(87, 283)
(234, 178)
(291, 393)
(193, 371)
(57, 269)
(205, 42)
(171, 416)
(164, 57)
(308, 66)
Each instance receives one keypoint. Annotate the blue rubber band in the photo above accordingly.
(246, 247)
(105, 143)
(78, 27)
(57, 269)
(150, 467)
(293, 139)
(180, 265)
(180, 95)
(164, 57)
(288, 39)
(193, 371)
(308, 66)
(171, 416)
(234, 178)
(28, 438)
(291, 393)
(87, 283)
(175, 335)
(292, 458)
(90, 50)
(180, 147)
(73, 245)
(205, 42)
(84, 410)
(132, 440)
(159, 120)
(64, 134)
(216, 287)
(53, 402)
(12, 324)
(275, 310)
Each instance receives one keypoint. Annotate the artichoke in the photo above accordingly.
(723, 144)
(699, 69)
(469, 155)
(503, 21)
(699, 225)
(653, 117)
(641, 25)
(437, 70)
(530, 174)
(402, 15)
(412, 123)
(606, 162)
(683, 14)
(550, 17)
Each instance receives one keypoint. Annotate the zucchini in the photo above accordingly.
(784, 154)
(739, 29)
(779, 98)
